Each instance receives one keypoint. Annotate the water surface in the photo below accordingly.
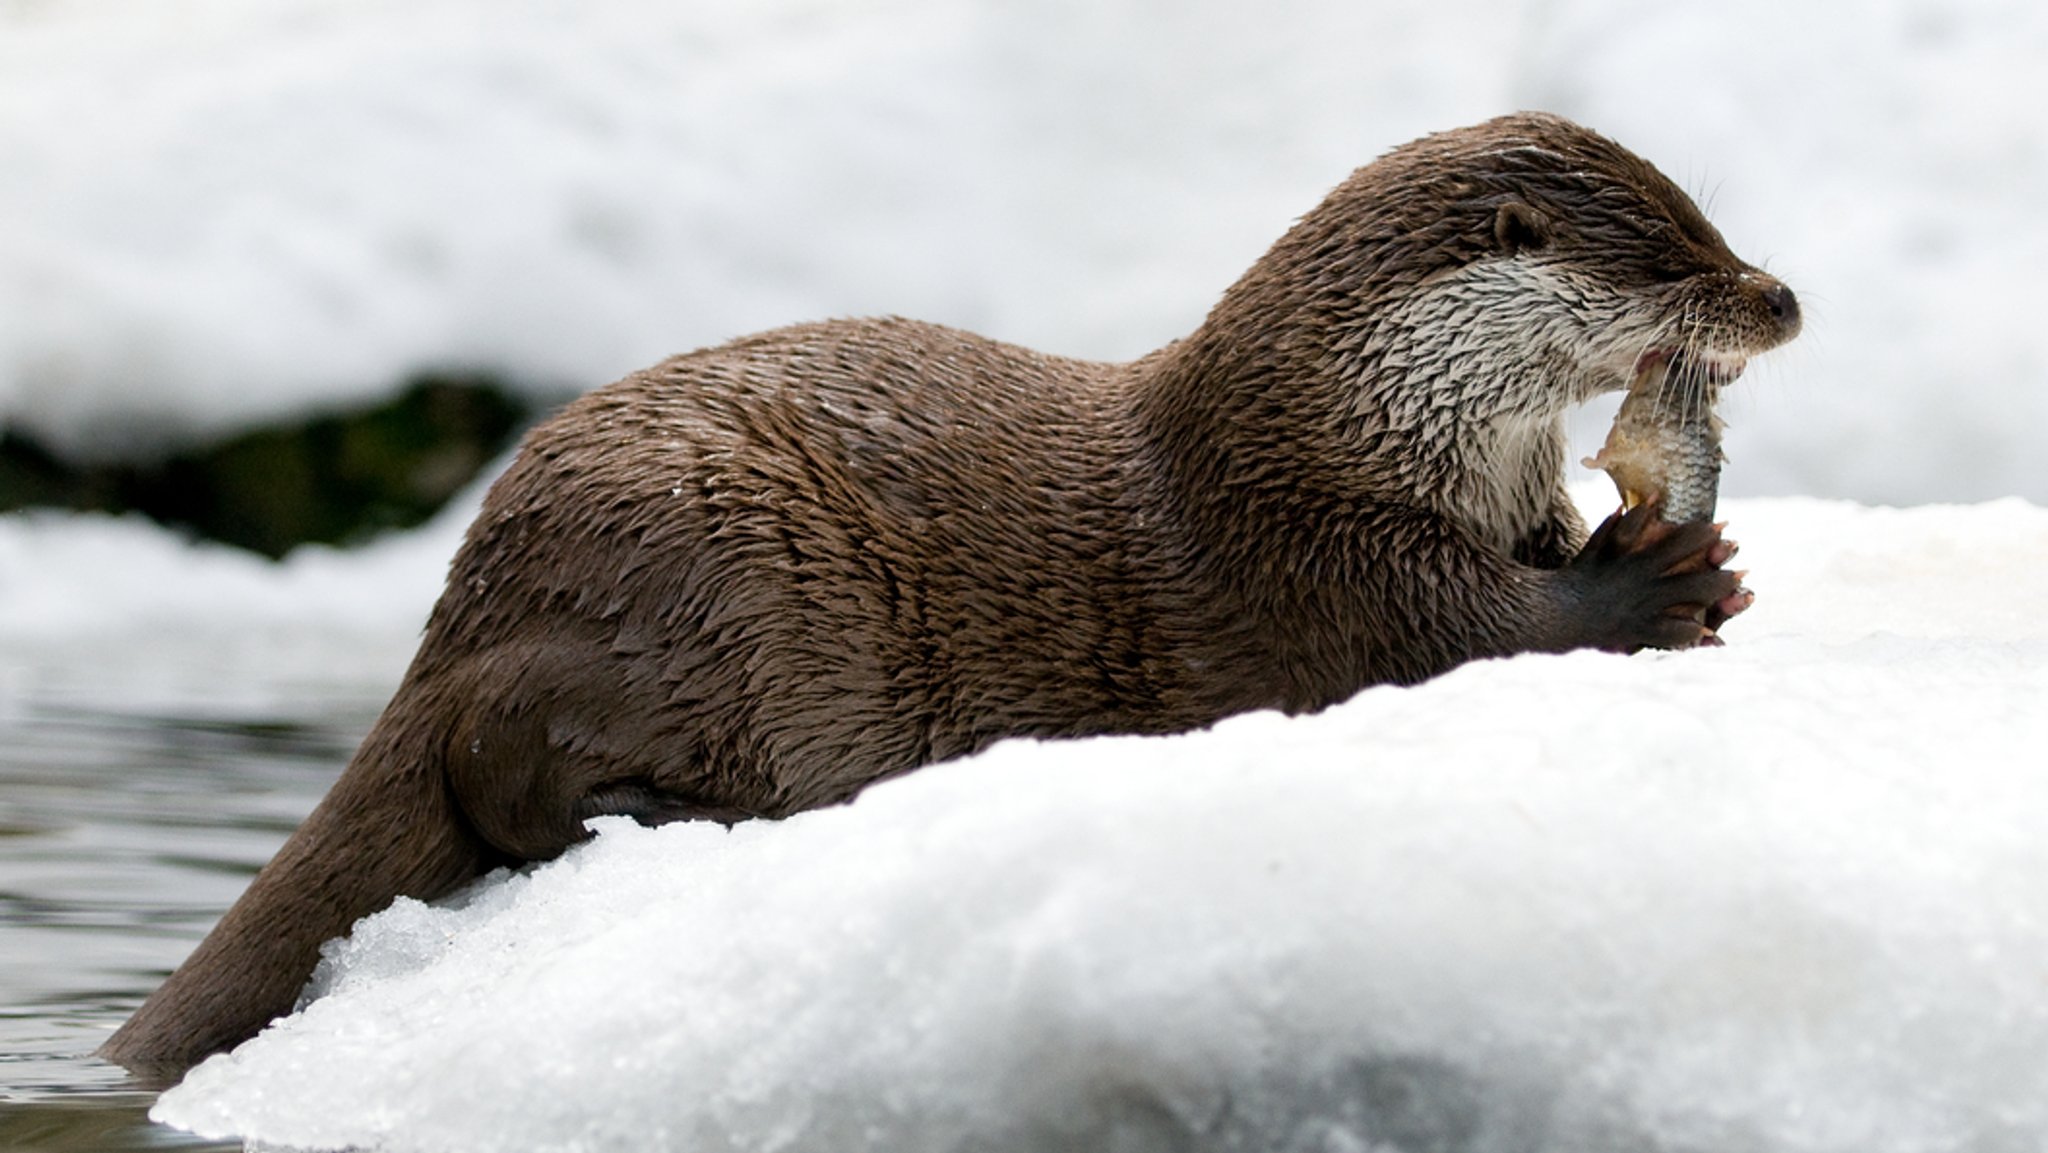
(124, 834)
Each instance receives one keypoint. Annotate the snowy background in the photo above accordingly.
(1780, 897)
(213, 211)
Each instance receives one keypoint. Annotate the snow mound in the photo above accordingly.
(120, 613)
(1783, 896)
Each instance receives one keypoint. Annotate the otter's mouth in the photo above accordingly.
(1716, 367)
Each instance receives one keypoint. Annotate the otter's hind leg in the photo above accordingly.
(562, 731)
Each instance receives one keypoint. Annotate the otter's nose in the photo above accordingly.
(1783, 305)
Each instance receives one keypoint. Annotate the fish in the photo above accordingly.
(1666, 441)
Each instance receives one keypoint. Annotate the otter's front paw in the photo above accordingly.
(1642, 582)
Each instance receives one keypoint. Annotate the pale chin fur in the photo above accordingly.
(1720, 366)
(1492, 357)
(1562, 338)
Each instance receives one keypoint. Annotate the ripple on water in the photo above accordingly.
(123, 837)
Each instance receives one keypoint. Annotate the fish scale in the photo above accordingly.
(1666, 442)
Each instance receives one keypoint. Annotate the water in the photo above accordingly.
(124, 834)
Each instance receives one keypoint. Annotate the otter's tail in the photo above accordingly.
(388, 828)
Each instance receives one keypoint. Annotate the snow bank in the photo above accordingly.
(123, 614)
(225, 209)
(1780, 897)
(222, 210)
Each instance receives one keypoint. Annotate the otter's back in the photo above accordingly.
(820, 555)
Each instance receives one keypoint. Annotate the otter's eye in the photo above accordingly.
(1518, 227)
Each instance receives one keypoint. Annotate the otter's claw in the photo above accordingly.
(1644, 582)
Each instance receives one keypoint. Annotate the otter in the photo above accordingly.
(760, 577)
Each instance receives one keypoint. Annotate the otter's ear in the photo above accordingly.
(1518, 227)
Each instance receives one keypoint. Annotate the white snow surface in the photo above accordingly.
(1782, 896)
(121, 614)
(218, 211)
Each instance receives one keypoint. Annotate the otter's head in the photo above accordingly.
(1525, 264)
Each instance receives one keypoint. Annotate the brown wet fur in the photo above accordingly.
(757, 578)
